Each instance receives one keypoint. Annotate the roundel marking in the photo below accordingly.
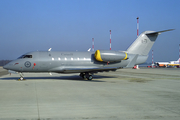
(27, 64)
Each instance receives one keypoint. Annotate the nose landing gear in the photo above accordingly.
(21, 77)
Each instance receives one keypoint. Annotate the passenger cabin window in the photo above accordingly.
(25, 56)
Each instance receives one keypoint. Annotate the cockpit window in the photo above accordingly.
(25, 56)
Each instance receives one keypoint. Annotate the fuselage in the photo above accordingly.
(65, 62)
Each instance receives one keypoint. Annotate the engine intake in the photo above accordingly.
(110, 56)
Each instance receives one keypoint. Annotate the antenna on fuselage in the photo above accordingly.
(49, 49)
(89, 49)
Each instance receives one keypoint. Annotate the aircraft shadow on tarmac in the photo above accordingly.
(74, 78)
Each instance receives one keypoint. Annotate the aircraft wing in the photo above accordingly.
(79, 69)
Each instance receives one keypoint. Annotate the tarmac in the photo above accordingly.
(127, 94)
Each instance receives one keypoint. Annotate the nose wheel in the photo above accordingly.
(86, 76)
(21, 77)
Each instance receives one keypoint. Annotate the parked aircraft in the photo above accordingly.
(85, 63)
(161, 64)
(166, 64)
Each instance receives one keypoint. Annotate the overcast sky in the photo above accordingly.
(70, 25)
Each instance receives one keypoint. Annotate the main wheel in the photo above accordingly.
(90, 77)
(81, 75)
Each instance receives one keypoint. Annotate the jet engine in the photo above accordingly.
(110, 56)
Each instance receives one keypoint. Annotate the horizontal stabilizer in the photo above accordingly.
(159, 32)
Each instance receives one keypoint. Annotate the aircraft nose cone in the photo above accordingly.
(6, 66)
(13, 65)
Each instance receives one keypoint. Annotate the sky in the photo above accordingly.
(70, 25)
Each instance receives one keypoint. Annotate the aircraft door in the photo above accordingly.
(44, 60)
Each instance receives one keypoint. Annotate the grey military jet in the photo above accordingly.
(85, 63)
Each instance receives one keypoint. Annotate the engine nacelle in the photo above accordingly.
(110, 56)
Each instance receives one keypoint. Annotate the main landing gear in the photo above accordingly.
(21, 77)
(86, 76)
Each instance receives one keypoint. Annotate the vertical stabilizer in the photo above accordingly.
(178, 60)
(143, 44)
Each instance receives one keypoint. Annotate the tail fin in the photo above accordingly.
(143, 44)
(178, 60)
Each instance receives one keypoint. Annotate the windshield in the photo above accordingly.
(25, 56)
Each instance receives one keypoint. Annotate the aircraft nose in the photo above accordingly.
(6, 66)
(11, 66)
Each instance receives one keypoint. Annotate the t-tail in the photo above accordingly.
(143, 44)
